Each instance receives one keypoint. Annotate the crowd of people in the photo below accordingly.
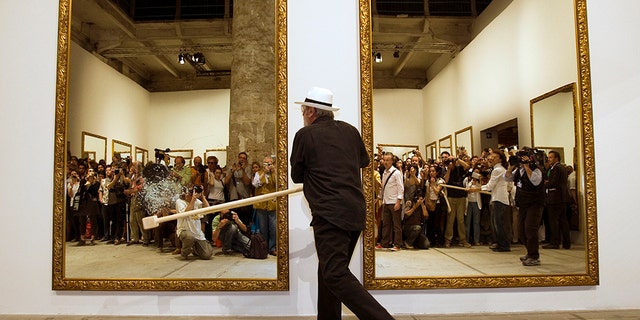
(497, 199)
(106, 203)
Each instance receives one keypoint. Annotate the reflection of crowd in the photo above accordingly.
(497, 199)
(106, 203)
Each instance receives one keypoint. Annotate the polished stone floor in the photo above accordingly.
(560, 315)
(476, 261)
(136, 261)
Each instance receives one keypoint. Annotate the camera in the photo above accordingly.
(116, 171)
(228, 216)
(197, 189)
(159, 153)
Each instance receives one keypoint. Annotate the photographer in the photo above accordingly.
(180, 172)
(527, 178)
(229, 228)
(115, 206)
(238, 182)
(264, 181)
(456, 170)
(415, 214)
(189, 229)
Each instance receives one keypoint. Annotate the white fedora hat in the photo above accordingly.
(319, 98)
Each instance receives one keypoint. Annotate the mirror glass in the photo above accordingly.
(447, 76)
(444, 144)
(432, 151)
(403, 152)
(553, 122)
(464, 141)
(120, 77)
(142, 155)
(94, 146)
(121, 149)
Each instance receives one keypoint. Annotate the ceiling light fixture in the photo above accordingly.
(378, 57)
(181, 58)
(396, 54)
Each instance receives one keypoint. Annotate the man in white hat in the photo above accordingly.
(327, 156)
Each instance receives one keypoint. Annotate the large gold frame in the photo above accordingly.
(60, 282)
(584, 137)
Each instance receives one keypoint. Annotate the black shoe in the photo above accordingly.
(531, 262)
(551, 246)
(523, 258)
(501, 249)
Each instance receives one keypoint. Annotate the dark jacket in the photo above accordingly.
(557, 188)
(327, 157)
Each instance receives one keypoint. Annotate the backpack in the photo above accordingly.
(257, 247)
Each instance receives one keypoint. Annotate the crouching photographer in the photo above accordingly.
(228, 227)
(189, 229)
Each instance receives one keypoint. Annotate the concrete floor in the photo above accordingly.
(560, 315)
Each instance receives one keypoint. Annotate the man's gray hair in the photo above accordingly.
(324, 113)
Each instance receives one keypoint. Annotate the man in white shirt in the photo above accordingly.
(189, 229)
(391, 194)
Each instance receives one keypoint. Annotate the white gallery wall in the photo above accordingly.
(27, 89)
(113, 106)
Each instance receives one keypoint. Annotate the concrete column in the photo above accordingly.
(252, 120)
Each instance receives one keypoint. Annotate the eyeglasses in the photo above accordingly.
(267, 164)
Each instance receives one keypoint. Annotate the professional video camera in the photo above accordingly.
(161, 153)
(529, 156)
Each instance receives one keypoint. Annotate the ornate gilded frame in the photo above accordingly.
(586, 143)
(60, 282)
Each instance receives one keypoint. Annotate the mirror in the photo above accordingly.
(553, 122)
(444, 144)
(121, 149)
(456, 96)
(403, 152)
(464, 141)
(432, 151)
(94, 146)
(142, 155)
(128, 85)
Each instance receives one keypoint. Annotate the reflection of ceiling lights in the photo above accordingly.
(196, 58)
(378, 57)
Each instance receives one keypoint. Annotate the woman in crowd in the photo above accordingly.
(436, 206)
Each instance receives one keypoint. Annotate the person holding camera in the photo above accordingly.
(114, 201)
(238, 182)
(265, 182)
(180, 172)
(527, 178)
(189, 229)
(455, 172)
(497, 184)
(229, 228)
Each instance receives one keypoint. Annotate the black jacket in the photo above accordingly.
(327, 157)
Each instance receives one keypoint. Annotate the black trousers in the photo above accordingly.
(336, 283)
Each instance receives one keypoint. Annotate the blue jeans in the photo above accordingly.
(473, 215)
(267, 223)
(497, 222)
